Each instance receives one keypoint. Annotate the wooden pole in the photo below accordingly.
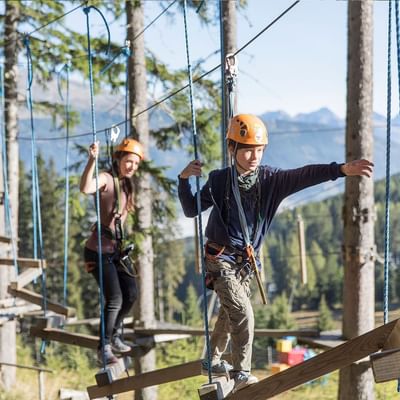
(302, 249)
(356, 382)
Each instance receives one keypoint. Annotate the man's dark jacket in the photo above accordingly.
(276, 185)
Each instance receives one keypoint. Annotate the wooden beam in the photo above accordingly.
(5, 239)
(152, 378)
(24, 262)
(26, 277)
(35, 298)
(218, 389)
(76, 339)
(200, 332)
(12, 312)
(336, 358)
(324, 342)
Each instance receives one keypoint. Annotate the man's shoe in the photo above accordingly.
(242, 380)
(220, 369)
(119, 346)
(109, 357)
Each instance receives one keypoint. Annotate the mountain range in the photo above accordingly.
(306, 138)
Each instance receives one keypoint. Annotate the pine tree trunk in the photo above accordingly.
(140, 130)
(230, 46)
(356, 381)
(8, 338)
(11, 104)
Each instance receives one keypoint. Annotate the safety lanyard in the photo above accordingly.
(119, 233)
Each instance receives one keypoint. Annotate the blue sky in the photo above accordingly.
(298, 65)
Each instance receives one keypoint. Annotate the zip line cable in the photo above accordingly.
(94, 54)
(175, 92)
(266, 28)
(198, 199)
(271, 132)
(153, 21)
(66, 67)
(86, 10)
(56, 19)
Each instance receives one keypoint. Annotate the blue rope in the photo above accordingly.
(7, 205)
(223, 97)
(67, 67)
(33, 155)
(196, 155)
(127, 53)
(36, 213)
(86, 10)
(388, 140)
(387, 180)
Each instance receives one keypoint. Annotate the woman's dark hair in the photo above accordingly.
(126, 184)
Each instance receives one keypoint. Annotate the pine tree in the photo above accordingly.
(325, 320)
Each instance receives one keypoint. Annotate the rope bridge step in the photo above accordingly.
(35, 298)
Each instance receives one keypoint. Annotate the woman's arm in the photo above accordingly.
(88, 182)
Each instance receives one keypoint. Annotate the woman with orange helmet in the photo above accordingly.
(116, 201)
(244, 199)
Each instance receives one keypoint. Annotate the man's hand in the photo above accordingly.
(358, 168)
(192, 169)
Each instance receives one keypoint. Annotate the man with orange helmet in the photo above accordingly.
(244, 199)
(116, 201)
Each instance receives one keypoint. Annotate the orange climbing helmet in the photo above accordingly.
(247, 129)
(130, 146)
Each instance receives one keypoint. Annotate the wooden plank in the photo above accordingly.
(95, 321)
(24, 262)
(218, 389)
(386, 365)
(5, 239)
(26, 277)
(71, 394)
(200, 332)
(13, 312)
(324, 342)
(27, 367)
(35, 298)
(157, 377)
(336, 358)
(11, 302)
(76, 339)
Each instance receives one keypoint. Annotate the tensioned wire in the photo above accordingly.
(175, 92)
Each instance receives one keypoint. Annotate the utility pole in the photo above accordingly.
(356, 381)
